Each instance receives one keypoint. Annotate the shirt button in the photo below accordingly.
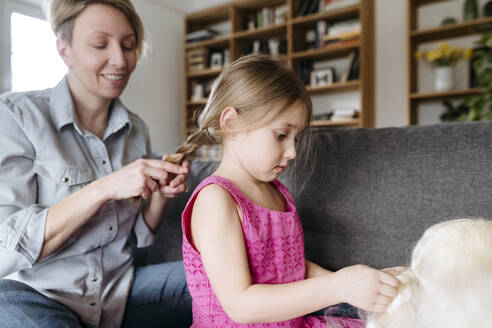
(94, 279)
(103, 162)
(65, 179)
(110, 228)
(93, 304)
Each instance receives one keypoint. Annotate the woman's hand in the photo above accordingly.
(177, 185)
(367, 288)
(142, 178)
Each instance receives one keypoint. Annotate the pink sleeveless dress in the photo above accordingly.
(275, 249)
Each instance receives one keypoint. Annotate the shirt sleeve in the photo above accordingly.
(145, 237)
(22, 221)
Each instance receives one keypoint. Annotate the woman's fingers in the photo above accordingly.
(159, 175)
(169, 167)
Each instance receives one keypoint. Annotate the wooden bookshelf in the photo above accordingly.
(293, 30)
(415, 37)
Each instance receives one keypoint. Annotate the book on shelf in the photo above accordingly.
(327, 5)
(265, 17)
(201, 35)
(344, 29)
(345, 76)
(307, 7)
(354, 67)
(343, 115)
(196, 59)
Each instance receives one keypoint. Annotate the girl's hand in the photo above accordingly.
(177, 184)
(141, 178)
(395, 270)
(367, 288)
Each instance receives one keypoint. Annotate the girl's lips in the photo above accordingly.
(279, 168)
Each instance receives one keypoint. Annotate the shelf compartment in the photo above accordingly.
(452, 31)
(219, 42)
(445, 94)
(320, 123)
(209, 16)
(204, 73)
(335, 87)
(262, 32)
(331, 15)
(334, 50)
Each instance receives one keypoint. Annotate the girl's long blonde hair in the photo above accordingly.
(259, 88)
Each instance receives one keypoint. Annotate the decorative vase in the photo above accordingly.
(444, 78)
(470, 10)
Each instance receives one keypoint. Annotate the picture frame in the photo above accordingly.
(322, 77)
(216, 60)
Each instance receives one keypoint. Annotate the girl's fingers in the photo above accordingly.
(388, 291)
(388, 279)
(151, 184)
(178, 180)
(383, 300)
(168, 190)
(395, 270)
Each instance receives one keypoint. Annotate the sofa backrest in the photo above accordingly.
(370, 193)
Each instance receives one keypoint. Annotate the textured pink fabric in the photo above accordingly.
(275, 250)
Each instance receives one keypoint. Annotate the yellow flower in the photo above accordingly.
(443, 55)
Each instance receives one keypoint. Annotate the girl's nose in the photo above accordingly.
(290, 152)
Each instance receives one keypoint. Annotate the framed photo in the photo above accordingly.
(216, 60)
(322, 77)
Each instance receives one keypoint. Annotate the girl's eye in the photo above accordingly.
(99, 46)
(280, 136)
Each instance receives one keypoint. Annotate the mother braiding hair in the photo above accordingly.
(259, 88)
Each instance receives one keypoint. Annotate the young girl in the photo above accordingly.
(243, 245)
(449, 282)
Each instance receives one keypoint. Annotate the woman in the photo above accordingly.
(76, 197)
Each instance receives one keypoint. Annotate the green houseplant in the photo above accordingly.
(478, 106)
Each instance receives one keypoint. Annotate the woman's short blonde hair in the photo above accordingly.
(61, 15)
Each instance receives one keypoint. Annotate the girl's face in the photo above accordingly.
(265, 152)
(103, 52)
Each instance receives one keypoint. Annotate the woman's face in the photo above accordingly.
(103, 53)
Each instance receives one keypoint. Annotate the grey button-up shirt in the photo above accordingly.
(45, 155)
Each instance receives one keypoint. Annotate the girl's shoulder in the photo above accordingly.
(218, 189)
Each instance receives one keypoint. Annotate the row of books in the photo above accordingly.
(325, 34)
(338, 115)
(265, 17)
(201, 58)
(307, 7)
(201, 35)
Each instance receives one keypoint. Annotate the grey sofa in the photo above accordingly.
(370, 193)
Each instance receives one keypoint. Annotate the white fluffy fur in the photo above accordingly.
(449, 282)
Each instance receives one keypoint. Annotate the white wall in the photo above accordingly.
(155, 91)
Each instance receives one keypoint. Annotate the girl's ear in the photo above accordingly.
(227, 118)
(65, 51)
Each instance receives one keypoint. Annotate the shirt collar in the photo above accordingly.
(61, 105)
(63, 112)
